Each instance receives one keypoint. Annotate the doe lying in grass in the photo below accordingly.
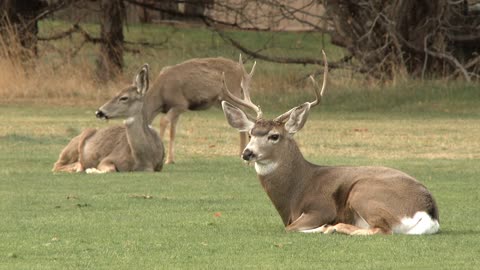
(327, 199)
(134, 146)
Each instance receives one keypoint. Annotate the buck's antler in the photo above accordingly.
(318, 91)
(245, 85)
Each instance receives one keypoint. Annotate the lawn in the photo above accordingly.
(209, 211)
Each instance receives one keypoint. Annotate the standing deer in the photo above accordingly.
(134, 146)
(192, 85)
(327, 199)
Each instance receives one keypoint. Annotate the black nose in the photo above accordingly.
(247, 154)
(100, 114)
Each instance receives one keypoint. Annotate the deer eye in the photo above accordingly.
(124, 98)
(274, 137)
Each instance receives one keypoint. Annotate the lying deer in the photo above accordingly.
(134, 146)
(327, 199)
(192, 85)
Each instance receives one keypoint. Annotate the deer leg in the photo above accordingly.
(103, 167)
(72, 167)
(172, 116)
(309, 223)
(86, 134)
(163, 126)
(351, 230)
(69, 157)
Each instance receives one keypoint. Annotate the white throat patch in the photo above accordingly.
(265, 167)
(129, 120)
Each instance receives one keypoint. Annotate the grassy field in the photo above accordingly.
(209, 211)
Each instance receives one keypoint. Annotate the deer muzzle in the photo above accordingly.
(101, 115)
(248, 155)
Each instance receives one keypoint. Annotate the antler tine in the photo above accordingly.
(246, 102)
(318, 93)
(245, 82)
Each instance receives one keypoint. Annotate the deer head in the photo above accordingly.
(269, 135)
(129, 101)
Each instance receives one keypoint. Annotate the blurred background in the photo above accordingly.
(80, 52)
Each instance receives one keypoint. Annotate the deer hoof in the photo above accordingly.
(330, 230)
(363, 232)
(93, 170)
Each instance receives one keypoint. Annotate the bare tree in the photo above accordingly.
(110, 60)
(419, 38)
(170, 7)
(19, 24)
(197, 7)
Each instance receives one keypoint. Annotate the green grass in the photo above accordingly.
(185, 42)
(209, 211)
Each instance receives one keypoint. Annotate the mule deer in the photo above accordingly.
(327, 199)
(133, 146)
(192, 85)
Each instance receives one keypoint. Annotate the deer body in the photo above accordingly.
(327, 199)
(133, 146)
(366, 197)
(192, 85)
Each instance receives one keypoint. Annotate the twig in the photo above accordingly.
(451, 59)
(284, 60)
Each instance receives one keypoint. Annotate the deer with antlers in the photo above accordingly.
(134, 146)
(327, 199)
(192, 85)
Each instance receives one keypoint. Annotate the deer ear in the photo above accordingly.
(141, 80)
(236, 117)
(297, 118)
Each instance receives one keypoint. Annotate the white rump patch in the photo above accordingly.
(420, 223)
(264, 168)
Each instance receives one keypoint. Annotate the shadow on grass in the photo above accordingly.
(455, 232)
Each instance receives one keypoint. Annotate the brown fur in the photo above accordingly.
(192, 85)
(336, 195)
(133, 146)
(312, 198)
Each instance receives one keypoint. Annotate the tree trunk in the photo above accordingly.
(194, 8)
(110, 60)
(19, 27)
(169, 5)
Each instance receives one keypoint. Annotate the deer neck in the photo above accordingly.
(153, 106)
(283, 179)
(138, 134)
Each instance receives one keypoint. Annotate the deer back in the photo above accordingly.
(192, 85)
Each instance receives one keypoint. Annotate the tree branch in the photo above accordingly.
(284, 60)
